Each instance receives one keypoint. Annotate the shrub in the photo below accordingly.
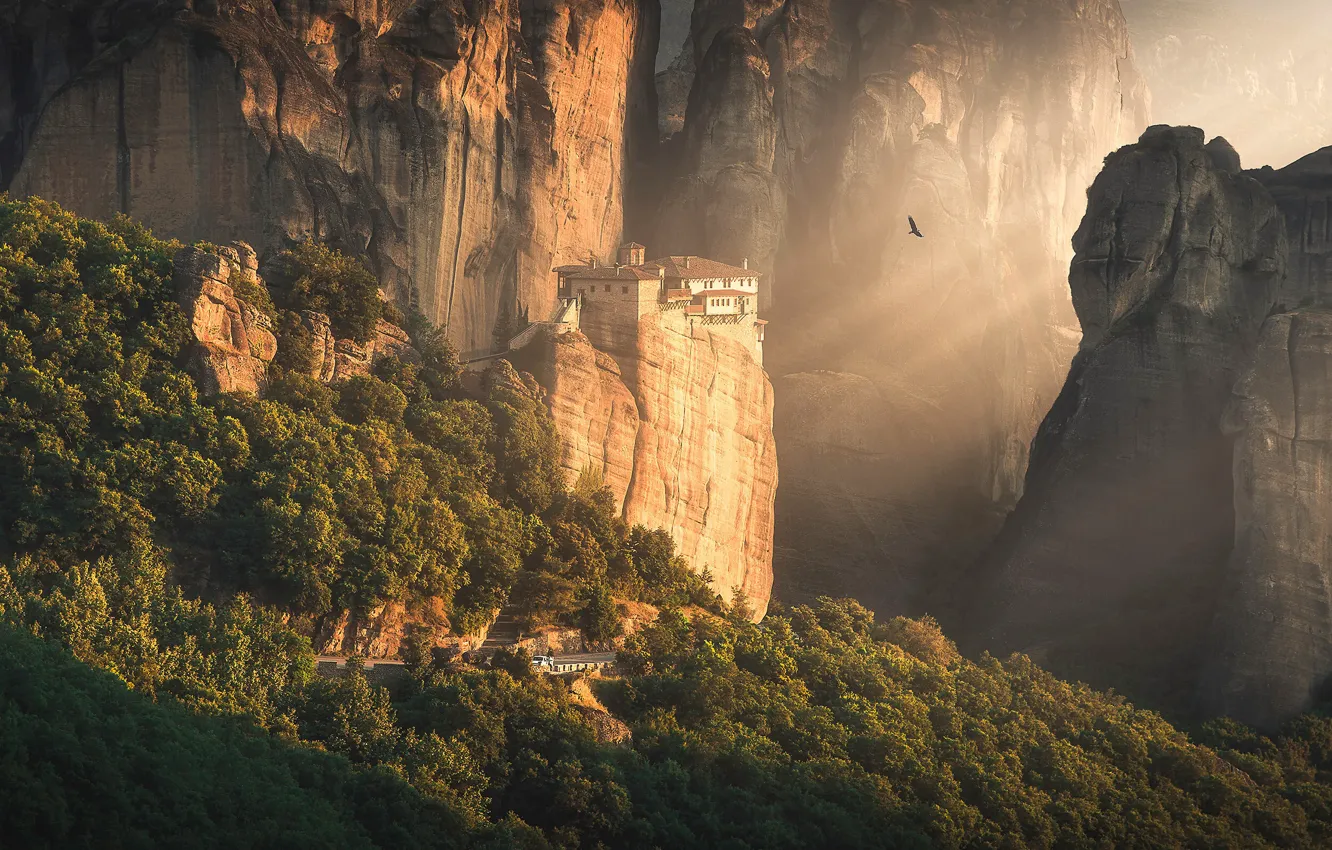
(315, 277)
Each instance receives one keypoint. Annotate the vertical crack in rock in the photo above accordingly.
(122, 147)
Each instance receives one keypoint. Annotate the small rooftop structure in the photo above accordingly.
(632, 254)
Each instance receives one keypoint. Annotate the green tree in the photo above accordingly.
(601, 616)
(315, 277)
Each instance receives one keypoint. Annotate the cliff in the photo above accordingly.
(1274, 630)
(678, 420)
(905, 366)
(1113, 567)
(1273, 633)
(466, 148)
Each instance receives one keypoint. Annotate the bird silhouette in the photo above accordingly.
(915, 231)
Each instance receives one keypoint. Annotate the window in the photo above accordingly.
(624, 290)
(608, 287)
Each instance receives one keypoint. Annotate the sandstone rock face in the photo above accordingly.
(728, 196)
(1261, 75)
(1303, 192)
(596, 414)
(340, 359)
(692, 410)
(1275, 624)
(381, 633)
(465, 147)
(1111, 569)
(233, 341)
(1273, 635)
(811, 131)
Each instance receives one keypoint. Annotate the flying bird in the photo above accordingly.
(915, 231)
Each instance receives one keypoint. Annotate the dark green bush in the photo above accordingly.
(315, 277)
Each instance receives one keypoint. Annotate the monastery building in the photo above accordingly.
(609, 302)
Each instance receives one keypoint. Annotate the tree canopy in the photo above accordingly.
(165, 559)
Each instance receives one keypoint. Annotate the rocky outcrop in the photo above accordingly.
(1112, 567)
(1259, 75)
(811, 131)
(233, 340)
(692, 410)
(1273, 633)
(339, 359)
(1303, 192)
(465, 148)
(381, 632)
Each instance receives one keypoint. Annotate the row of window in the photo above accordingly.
(726, 284)
(624, 290)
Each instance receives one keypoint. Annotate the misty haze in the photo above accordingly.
(666, 423)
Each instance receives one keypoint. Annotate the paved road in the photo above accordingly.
(563, 663)
(369, 662)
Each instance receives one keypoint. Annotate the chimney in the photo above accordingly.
(746, 262)
(687, 259)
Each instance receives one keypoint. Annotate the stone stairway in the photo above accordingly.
(504, 632)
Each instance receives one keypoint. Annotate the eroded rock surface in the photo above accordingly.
(339, 359)
(808, 134)
(595, 412)
(466, 148)
(1274, 631)
(1112, 567)
(233, 340)
(693, 410)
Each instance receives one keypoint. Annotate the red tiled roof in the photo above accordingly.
(694, 310)
(760, 321)
(607, 273)
(701, 267)
(679, 294)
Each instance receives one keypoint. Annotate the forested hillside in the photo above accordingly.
(189, 546)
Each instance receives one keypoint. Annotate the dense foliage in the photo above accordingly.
(85, 763)
(190, 546)
(390, 487)
(314, 277)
